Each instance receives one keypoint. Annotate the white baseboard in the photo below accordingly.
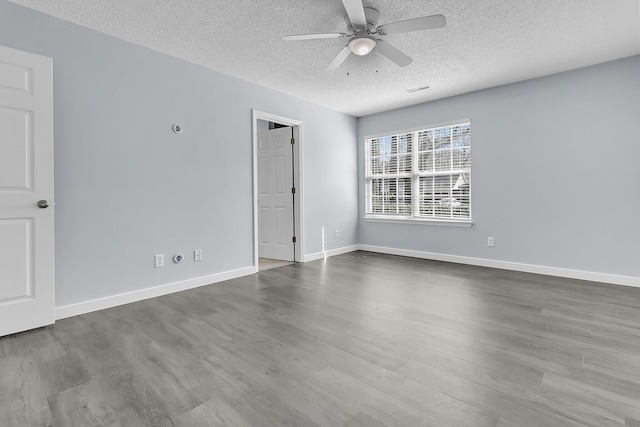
(514, 266)
(142, 294)
(84, 307)
(331, 252)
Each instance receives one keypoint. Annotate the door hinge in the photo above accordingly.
(293, 190)
(293, 141)
(293, 239)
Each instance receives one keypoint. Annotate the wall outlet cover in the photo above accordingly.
(158, 261)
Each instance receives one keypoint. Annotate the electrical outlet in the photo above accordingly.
(491, 242)
(337, 234)
(158, 261)
(197, 255)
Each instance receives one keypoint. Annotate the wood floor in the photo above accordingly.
(358, 340)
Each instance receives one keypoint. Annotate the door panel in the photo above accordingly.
(264, 224)
(15, 76)
(283, 225)
(16, 249)
(275, 180)
(282, 176)
(16, 151)
(263, 176)
(26, 176)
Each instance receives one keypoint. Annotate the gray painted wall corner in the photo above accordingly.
(127, 187)
(554, 173)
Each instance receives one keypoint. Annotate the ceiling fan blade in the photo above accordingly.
(314, 36)
(417, 24)
(355, 11)
(393, 54)
(338, 60)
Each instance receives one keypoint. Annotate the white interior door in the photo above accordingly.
(27, 295)
(275, 198)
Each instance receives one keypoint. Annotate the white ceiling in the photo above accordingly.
(486, 43)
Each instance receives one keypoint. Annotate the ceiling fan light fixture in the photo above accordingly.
(362, 46)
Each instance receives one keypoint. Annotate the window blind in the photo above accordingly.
(424, 174)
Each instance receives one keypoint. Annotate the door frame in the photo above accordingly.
(298, 210)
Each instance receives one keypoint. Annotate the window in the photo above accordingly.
(420, 175)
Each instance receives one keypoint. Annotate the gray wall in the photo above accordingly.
(127, 187)
(555, 172)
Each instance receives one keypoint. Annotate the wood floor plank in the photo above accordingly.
(12, 406)
(271, 390)
(139, 369)
(632, 422)
(129, 394)
(381, 406)
(261, 346)
(595, 406)
(623, 365)
(364, 420)
(306, 309)
(34, 395)
(213, 413)
(429, 400)
(512, 403)
(257, 369)
(316, 340)
(83, 406)
(492, 370)
(614, 388)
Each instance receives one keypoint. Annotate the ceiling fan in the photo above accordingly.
(363, 29)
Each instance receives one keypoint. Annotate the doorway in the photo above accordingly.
(277, 190)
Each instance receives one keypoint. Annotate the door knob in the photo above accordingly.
(43, 204)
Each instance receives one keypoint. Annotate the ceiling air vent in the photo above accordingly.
(418, 89)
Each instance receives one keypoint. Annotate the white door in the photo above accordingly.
(27, 296)
(275, 197)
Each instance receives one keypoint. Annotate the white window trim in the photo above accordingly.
(418, 128)
(411, 218)
(418, 220)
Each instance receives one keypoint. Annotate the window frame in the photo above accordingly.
(414, 175)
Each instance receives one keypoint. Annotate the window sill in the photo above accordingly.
(422, 221)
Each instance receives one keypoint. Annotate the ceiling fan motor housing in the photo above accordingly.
(372, 15)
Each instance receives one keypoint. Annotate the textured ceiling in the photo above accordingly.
(486, 43)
